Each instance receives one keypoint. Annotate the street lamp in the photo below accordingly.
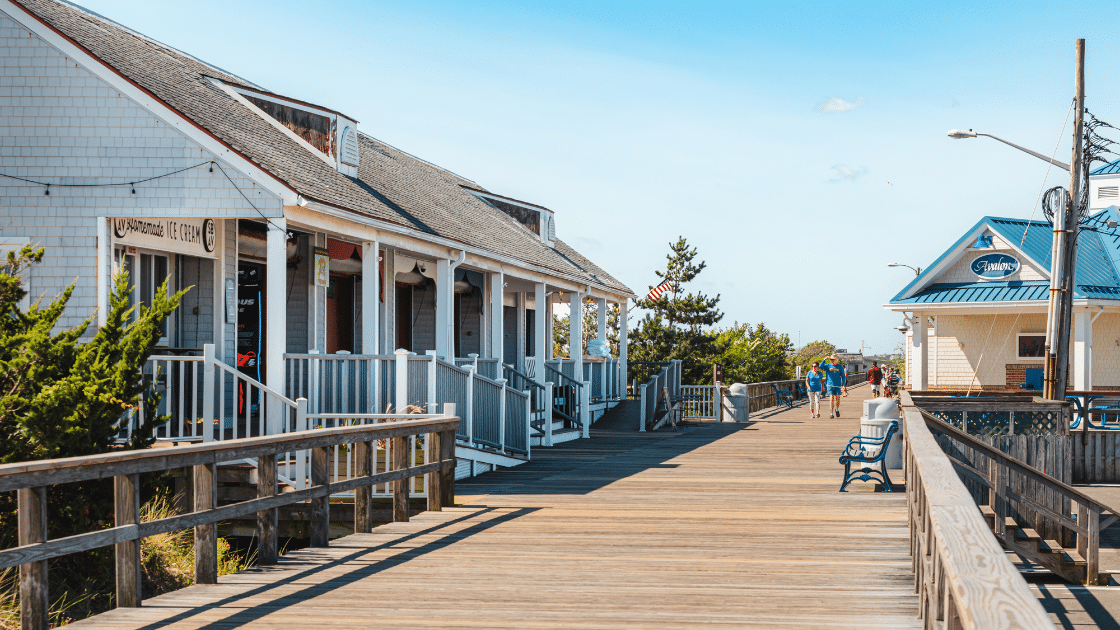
(959, 134)
(917, 270)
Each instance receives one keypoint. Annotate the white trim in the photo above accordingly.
(1022, 358)
(171, 117)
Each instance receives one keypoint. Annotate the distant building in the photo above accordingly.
(854, 362)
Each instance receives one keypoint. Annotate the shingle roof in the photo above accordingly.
(1108, 169)
(1097, 274)
(391, 186)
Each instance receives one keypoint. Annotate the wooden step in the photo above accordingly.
(989, 515)
(1050, 546)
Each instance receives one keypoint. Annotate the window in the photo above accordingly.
(1031, 346)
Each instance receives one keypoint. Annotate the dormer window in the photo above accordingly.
(538, 220)
(316, 129)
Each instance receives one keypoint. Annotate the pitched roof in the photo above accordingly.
(1097, 273)
(1108, 169)
(391, 185)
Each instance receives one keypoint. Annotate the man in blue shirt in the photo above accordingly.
(836, 381)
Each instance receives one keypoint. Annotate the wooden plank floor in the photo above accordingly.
(719, 525)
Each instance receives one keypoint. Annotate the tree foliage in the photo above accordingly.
(754, 354)
(63, 398)
(678, 325)
(812, 351)
(561, 331)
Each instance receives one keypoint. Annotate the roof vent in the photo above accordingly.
(349, 145)
(1108, 192)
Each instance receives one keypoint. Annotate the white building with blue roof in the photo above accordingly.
(977, 315)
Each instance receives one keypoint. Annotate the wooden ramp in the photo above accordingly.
(722, 526)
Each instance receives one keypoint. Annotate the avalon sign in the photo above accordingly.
(995, 265)
(193, 237)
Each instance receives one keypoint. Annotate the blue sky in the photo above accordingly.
(800, 147)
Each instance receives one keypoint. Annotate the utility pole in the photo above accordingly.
(1064, 262)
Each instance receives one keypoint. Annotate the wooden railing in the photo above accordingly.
(963, 577)
(30, 480)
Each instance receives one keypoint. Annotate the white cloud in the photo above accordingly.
(836, 105)
(845, 173)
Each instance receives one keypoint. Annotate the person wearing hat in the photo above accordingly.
(836, 382)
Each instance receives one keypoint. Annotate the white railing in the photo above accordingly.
(570, 397)
(341, 383)
(668, 378)
(490, 368)
(700, 401)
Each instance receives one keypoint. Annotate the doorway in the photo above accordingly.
(340, 314)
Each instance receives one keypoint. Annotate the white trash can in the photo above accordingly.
(878, 413)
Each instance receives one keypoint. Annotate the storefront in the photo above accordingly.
(975, 319)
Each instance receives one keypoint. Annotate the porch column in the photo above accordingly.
(104, 270)
(601, 324)
(549, 300)
(276, 306)
(445, 309)
(540, 329)
(371, 297)
(497, 329)
(918, 350)
(1082, 350)
(575, 329)
(521, 334)
(622, 341)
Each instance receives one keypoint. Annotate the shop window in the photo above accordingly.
(1031, 346)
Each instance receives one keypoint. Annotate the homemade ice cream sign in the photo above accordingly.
(991, 266)
(193, 237)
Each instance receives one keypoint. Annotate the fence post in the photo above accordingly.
(363, 467)
(502, 414)
(126, 511)
(375, 385)
(1092, 561)
(548, 391)
(432, 381)
(205, 536)
(399, 452)
(320, 506)
(717, 399)
(434, 484)
(34, 599)
(314, 389)
(474, 359)
(642, 401)
(585, 408)
(402, 380)
(528, 424)
(447, 483)
(267, 520)
(470, 403)
(301, 456)
(207, 427)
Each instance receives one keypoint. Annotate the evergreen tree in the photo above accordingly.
(63, 398)
(678, 324)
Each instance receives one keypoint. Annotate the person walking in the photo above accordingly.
(892, 382)
(814, 382)
(875, 377)
(836, 382)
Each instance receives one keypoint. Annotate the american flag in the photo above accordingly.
(659, 290)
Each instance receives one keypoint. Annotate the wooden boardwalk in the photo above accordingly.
(724, 526)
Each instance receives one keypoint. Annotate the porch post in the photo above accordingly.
(371, 297)
(549, 300)
(497, 329)
(522, 342)
(445, 308)
(276, 305)
(919, 349)
(1082, 350)
(601, 323)
(104, 270)
(540, 329)
(575, 328)
(623, 367)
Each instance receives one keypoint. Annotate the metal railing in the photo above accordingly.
(341, 383)
(962, 575)
(700, 401)
(570, 400)
(540, 403)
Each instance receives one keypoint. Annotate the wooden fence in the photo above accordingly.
(30, 480)
(963, 577)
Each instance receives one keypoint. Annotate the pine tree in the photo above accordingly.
(678, 324)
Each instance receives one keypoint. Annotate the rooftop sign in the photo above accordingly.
(991, 266)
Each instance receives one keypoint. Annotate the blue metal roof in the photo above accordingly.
(1107, 169)
(1098, 262)
(1015, 291)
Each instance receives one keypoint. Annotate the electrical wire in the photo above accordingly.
(128, 183)
(1030, 224)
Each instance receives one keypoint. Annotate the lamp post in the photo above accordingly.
(959, 134)
(917, 270)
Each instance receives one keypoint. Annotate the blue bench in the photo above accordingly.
(782, 397)
(864, 452)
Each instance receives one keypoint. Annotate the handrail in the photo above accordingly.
(254, 382)
(31, 479)
(963, 576)
(563, 377)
